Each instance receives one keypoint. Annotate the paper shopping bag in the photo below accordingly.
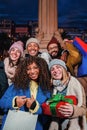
(20, 120)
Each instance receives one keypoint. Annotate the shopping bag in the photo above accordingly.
(20, 120)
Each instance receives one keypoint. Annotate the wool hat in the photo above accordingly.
(57, 62)
(34, 40)
(52, 41)
(18, 45)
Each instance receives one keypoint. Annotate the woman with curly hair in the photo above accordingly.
(30, 88)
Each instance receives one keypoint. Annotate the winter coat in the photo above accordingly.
(6, 102)
(75, 88)
(78, 120)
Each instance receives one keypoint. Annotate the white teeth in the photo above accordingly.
(32, 51)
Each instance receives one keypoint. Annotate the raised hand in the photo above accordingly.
(29, 101)
(20, 101)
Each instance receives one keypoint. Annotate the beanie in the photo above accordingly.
(52, 41)
(57, 62)
(30, 40)
(18, 45)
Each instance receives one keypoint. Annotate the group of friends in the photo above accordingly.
(33, 77)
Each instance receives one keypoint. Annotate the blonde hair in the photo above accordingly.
(65, 75)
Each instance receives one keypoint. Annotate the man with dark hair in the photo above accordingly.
(55, 50)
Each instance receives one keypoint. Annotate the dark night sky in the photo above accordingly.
(71, 13)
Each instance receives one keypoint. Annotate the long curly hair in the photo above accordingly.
(21, 78)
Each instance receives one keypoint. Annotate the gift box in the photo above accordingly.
(50, 107)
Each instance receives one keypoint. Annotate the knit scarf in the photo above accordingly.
(59, 87)
(9, 69)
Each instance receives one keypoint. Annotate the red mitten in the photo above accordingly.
(46, 109)
(59, 114)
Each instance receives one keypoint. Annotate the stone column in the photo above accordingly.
(48, 21)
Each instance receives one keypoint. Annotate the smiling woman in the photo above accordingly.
(11, 62)
(66, 85)
(28, 92)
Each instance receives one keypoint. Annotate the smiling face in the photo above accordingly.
(56, 72)
(15, 54)
(53, 50)
(33, 71)
(33, 49)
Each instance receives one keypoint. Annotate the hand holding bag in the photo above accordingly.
(20, 120)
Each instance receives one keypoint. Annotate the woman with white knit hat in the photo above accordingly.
(33, 49)
(11, 62)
